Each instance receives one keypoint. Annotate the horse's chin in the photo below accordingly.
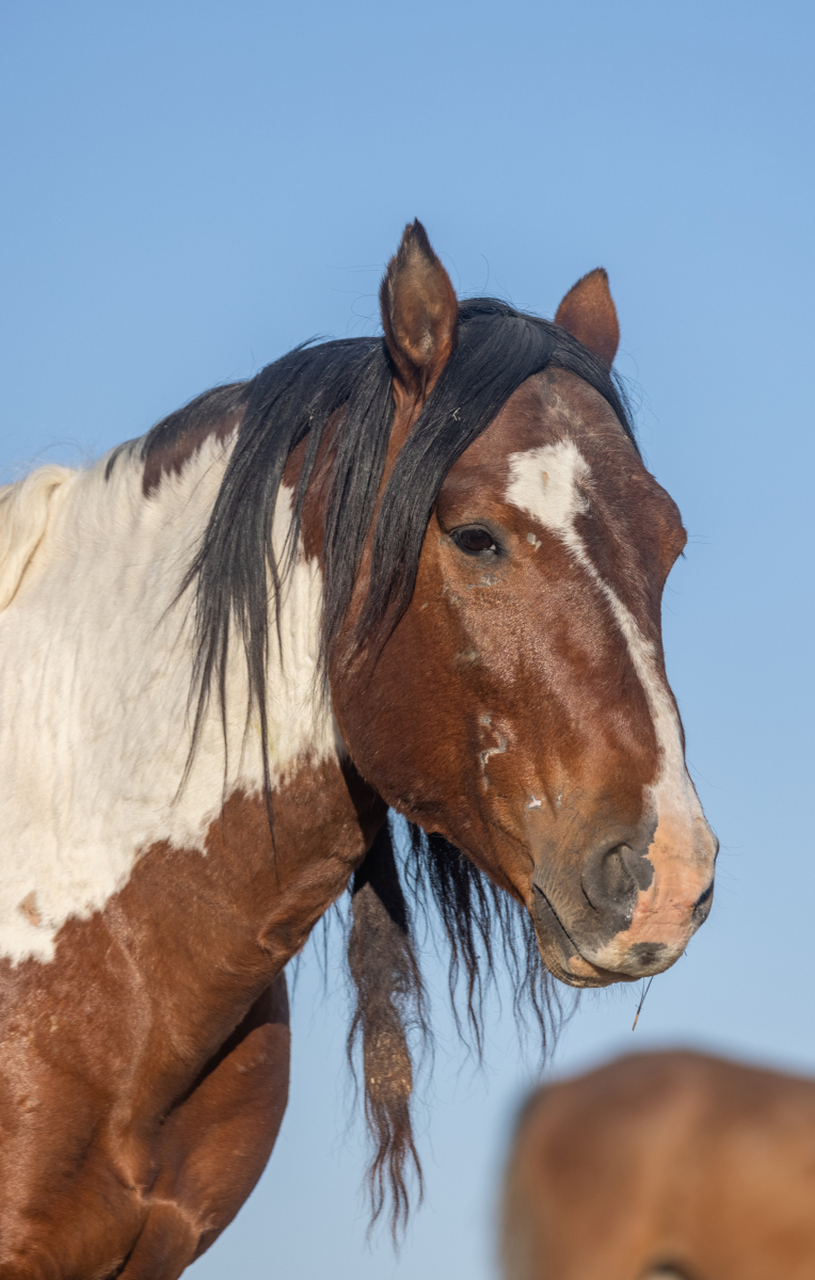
(580, 973)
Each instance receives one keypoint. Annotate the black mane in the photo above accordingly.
(293, 400)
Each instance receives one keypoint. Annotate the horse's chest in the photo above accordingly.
(100, 1046)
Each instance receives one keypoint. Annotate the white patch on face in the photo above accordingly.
(95, 673)
(545, 483)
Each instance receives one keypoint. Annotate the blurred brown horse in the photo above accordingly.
(421, 572)
(664, 1165)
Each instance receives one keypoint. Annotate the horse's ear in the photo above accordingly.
(588, 314)
(419, 313)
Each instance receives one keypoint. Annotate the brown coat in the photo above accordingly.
(664, 1164)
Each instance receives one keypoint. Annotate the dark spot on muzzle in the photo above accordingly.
(646, 955)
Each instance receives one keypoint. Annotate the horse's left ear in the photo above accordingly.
(419, 313)
(588, 314)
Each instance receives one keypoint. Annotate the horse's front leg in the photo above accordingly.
(216, 1142)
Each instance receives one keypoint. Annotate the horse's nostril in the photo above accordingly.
(615, 878)
(702, 905)
(703, 897)
(614, 875)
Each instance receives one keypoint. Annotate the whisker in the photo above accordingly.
(642, 1002)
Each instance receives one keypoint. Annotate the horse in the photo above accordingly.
(673, 1165)
(416, 574)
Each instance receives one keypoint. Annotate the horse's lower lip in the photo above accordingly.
(589, 976)
(562, 956)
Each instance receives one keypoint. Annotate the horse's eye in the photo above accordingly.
(475, 541)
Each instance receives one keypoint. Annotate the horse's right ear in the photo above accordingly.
(588, 314)
(419, 314)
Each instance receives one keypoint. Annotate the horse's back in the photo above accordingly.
(678, 1161)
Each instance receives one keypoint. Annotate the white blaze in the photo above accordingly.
(546, 483)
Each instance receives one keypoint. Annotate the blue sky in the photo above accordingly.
(190, 189)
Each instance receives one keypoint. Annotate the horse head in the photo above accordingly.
(499, 678)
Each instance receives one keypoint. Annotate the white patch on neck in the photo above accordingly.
(95, 673)
(545, 483)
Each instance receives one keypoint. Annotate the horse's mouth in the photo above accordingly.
(560, 953)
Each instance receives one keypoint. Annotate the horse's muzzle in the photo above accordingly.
(630, 916)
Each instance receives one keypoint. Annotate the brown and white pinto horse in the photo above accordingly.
(422, 573)
(671, 1165)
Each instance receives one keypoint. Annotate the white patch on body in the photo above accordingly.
(96, 672)
(546, 484)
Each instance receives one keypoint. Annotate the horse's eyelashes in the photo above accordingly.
(474, 540)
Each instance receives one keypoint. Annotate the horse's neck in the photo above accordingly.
(96, 668)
